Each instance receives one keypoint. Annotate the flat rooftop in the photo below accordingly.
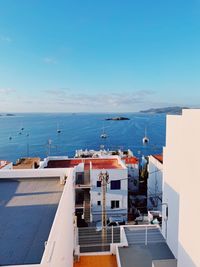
(142, 255)
(27, 163)
(27, 211)
(97, 261)
(96, 163)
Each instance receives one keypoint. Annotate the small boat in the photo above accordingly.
(103, 135)
(58, 129)
(10, 138)
(145, 139)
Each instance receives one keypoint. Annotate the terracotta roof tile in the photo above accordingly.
(158, 157)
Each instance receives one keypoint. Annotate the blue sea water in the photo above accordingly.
(78, 131)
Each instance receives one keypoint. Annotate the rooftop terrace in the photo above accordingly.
(142, 255)
(27, 211)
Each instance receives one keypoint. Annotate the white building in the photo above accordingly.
(117, 189)
(88, 187)
(5, 165)
(181, 172)
(155, 182)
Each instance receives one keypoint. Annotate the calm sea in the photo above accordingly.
(78, 131)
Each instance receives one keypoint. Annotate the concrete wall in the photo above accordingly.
(33, 173)
(60, 244)
(43, 164)
(181, 186)
(121, 195)
(154, 184)
(164, 263)
(7, 166)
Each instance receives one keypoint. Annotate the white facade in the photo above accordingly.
(119, 195)
(5, 165)
(61, 244)
(154, 184)
(181, 187)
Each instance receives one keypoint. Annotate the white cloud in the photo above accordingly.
(5, 38)
(108, 101)
(6, 91)
(61, 93)
(49, 60)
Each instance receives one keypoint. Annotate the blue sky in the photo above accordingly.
(98, 56)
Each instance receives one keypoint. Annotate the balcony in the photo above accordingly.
(83, 179)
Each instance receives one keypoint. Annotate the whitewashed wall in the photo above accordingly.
(60, 244)
(33, 173)
(181, 186)
(121, 195)
(8, 166)
(44, 163)
(154, 184)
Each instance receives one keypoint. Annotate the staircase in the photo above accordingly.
(87, 206)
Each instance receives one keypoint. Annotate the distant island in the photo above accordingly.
(167, 110)
(8, 115)
(117, 119)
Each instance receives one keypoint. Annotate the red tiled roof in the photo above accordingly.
(103, 164)
(131, 160)
(159, 158)
(96, 163)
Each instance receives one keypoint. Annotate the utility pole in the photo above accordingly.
(104, 177)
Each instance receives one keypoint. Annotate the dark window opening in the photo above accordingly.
(114, 204)
(98, 183)
(80, 178)
(115, 185)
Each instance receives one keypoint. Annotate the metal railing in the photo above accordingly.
(91, 239)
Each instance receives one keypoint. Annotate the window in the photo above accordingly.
(98, 203)
(98, 183)
(115, 185)
(114, 204)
